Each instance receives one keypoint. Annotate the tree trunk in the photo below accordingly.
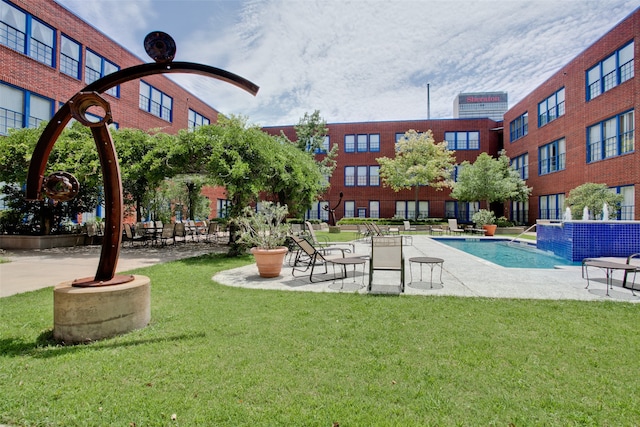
(416, 207)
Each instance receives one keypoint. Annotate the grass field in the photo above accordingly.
(221, 356)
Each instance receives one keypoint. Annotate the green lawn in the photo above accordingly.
(222, 356)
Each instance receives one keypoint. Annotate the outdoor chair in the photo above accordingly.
(438, 229)
(453, 226)
(167, 233)
(313, 257)
(408, 227)
(633, 259)
(212, 232)
(180, 231)
(325, 244)
(386, 254)
(130, 236)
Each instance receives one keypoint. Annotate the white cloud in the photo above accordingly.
(362, 60)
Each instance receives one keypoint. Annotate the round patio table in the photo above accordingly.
(431, 262)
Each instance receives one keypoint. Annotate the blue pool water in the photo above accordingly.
(513, 255)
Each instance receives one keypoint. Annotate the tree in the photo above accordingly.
(310, 133)
(489, 180)
(74, 152)
(419, 161)
(593, 196)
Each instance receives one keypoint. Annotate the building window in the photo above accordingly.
(349, 176)
(462, 140)
(70, 57)
(324, 148)
(374, 209)
(407, 209)
(374, 176)
(22, 32)
(349, 209)
(462, 211)
(520, 212)
(627, 207)
(519, 127)
(96, 67)
(551, 206)
(361, 173)
(20, 109)
(611, 137)
(551, 108)
(521, 164)
(361, 143)
(612, 71)
(196, 120)
(349, 143)
(155, 102)
(551, 157)
(318, 211)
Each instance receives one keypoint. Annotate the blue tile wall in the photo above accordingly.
(576, 240)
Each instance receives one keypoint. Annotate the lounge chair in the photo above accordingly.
(326, 244)
(314, 257)
(633, 259)
(453, 226)
(386, 254)
(167, 233)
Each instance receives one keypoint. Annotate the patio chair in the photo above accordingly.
(180, 231)
(633, 259)
(313, 257)
(325, 244)
(130, 236)
(408, 227)
(167, 233)
(212, 232)
(386, 254)
(453, 226)
(436, 229)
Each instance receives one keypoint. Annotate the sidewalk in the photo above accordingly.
(462, 275)
(35, 269)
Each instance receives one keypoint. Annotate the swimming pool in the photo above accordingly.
(511, 255)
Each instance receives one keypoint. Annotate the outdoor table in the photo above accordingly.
(609, 267)
(354, 261)
(432, 262)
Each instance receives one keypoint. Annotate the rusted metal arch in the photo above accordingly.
(108, 158)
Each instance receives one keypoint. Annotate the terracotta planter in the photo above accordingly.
(490, 229)
(269, 261)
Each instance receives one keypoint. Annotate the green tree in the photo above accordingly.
(490, 180)
(310, 133)
(143, 167)
(593, 196)
(74, 152)
(419, 161)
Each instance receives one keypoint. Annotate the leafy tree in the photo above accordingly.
(74, 152)
(489, 180)
(419, 161)
(310, 133)
(593, 196)
(143, 166)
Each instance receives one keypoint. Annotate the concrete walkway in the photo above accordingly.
(462, 275)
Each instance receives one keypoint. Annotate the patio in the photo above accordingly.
(462, 275)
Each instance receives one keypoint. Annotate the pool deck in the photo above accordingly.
(463, 275)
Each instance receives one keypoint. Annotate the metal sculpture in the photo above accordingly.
(63, 186)
(332, 211)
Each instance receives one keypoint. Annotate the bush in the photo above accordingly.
(504, 222)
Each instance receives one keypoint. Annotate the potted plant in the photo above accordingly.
(265, 231)
(487, 220)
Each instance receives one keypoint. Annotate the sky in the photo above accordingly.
(362, 60)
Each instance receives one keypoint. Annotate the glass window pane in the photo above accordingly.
(40, 108)
(11, 98)
(41, 32)
(13, 17)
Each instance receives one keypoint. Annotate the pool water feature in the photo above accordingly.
(506, 254)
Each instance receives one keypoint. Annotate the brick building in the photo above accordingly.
(47, 54)
(578, 126)
(582, 126)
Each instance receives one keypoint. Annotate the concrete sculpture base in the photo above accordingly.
(93, 313)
